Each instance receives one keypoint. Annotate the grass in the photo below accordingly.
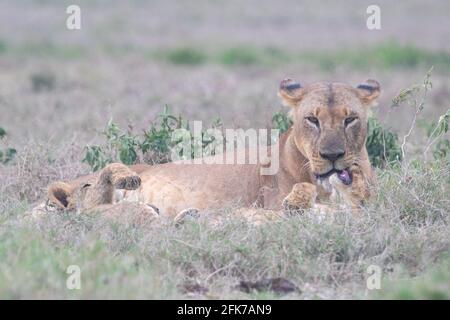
(3, 46)
(434, 284)
(186, 55)
(45, 49)
(41, 81)
(241, 56)
(42, 267)
(384, 55)
(128, 69)
(404, 231)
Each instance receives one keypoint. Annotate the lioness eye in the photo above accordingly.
(349, 120)
(313, 120)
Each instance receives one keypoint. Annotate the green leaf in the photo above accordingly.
(382, 145)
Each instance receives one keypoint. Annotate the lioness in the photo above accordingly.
(322, 154)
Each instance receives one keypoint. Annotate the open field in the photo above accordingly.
(225, 59)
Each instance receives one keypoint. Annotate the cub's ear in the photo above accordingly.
(290, 92)
(369, 91)
(59, 193)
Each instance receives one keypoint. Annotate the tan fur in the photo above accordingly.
(173, 187)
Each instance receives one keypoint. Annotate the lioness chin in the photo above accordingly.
(322, 158)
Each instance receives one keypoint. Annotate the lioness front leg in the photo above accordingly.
(302, 196)
(113, 176)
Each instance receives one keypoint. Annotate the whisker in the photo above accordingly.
(306, 165)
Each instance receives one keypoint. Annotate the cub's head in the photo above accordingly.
(330, 122)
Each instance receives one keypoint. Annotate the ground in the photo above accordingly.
(59, 88)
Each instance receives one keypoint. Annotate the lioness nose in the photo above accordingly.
(332, 156)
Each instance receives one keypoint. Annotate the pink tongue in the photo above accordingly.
(344, 176)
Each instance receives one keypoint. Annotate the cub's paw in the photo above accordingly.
(131, 182)
(120, 176)
(151, 210)
(186, 214)
(302, 196)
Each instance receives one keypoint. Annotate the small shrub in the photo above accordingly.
(386, 55)
(96, 158)
(123, 143)
(7, 154)
(159, 135)
(155, 145)
(382, 145)
(50, 49)
(189, 56)
(3, 47)
(240, 56)
(42, 81)
(436, 136)
(442, 149)
(120, 146)
(415, 97)
(391, 54)
(281, 121)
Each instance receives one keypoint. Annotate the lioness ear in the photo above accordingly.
(369, 91)
(59, 194)
(291, 92)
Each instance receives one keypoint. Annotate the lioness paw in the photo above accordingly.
(302, 196)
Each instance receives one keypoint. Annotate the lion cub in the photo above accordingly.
(100, 193)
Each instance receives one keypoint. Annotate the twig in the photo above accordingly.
(217, 271)
(418, 109)
(189, 245)
(405, 137)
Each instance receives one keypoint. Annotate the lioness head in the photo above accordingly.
(330, 122)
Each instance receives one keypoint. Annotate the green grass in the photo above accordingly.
(186, 56)
(34, 267)
(66, 52)
(48, 49)
(385, 55)
(405, 228)
(433, 284)
(3, 46)
(241, 56)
